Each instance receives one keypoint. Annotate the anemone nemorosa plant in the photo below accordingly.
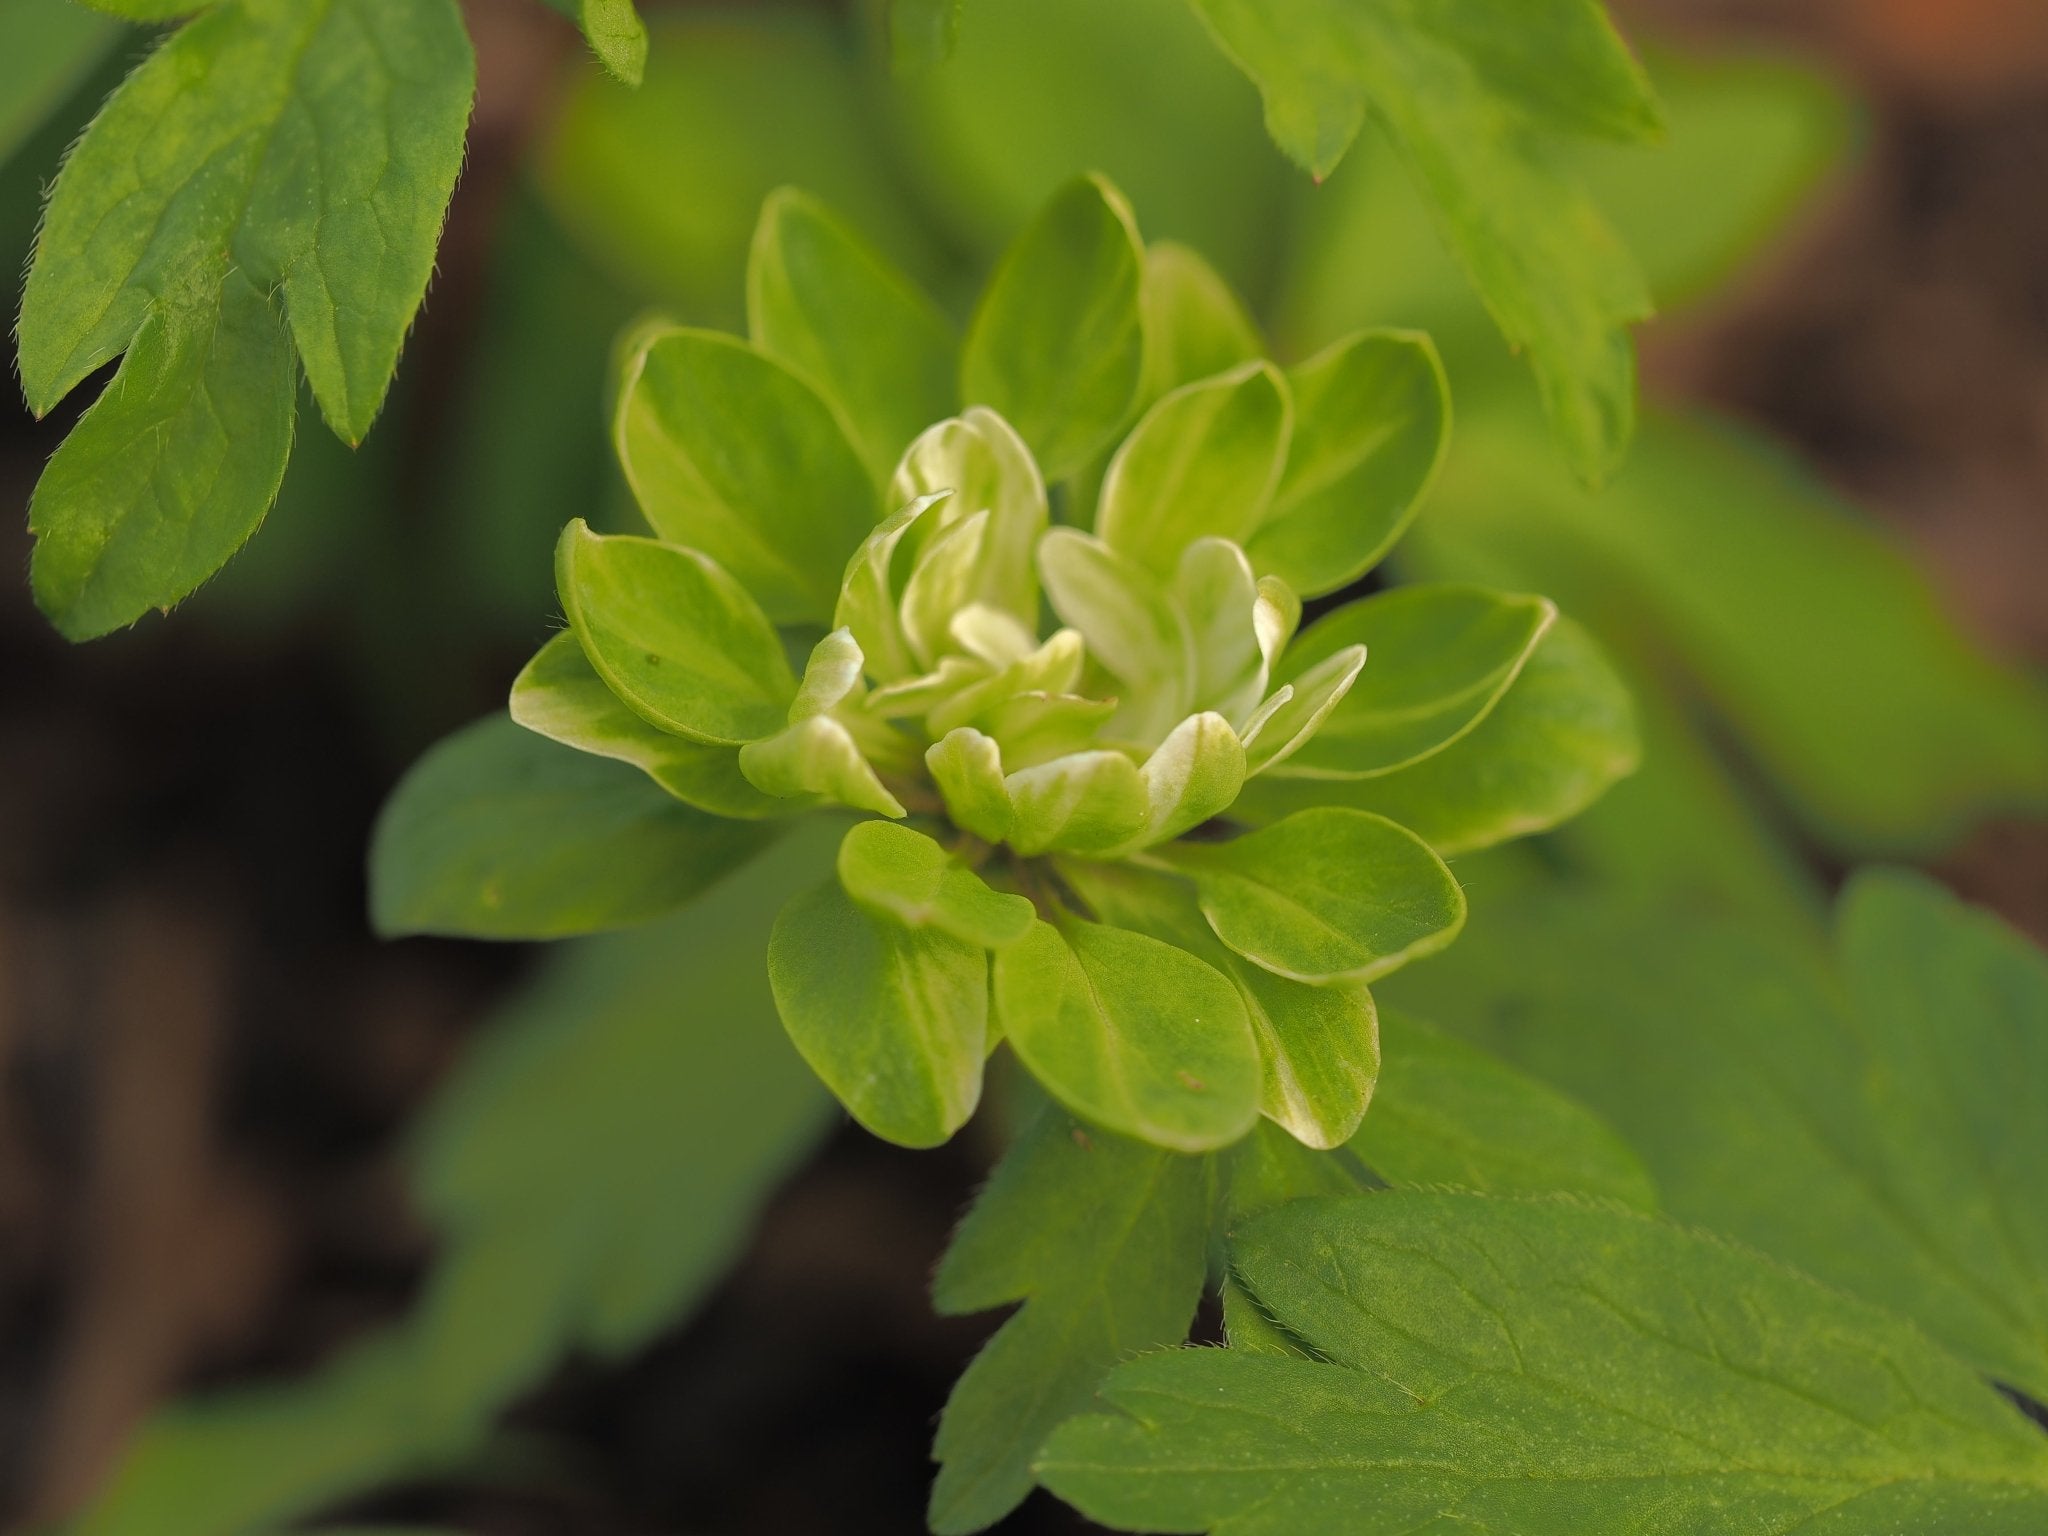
(1032, 606)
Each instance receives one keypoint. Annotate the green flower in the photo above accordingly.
(1032, 604)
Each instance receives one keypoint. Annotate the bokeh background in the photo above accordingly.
(255, 1161)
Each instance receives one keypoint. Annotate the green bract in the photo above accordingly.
(1034, 599)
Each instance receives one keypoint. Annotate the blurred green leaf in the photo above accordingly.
(499, 833)
(593, 1166)
(1747, 141)
(1040, 90)
(1133, 1035)
(1105, 1242)
(1326, 895)
(1467, 100)
(1195, 326)
(1560, 736)
(1446, 1112)
(1057, 346)
(827, 305)
(923, 33)
(893, 1018)
(1615, 1371)
(47, 47)
(662, 186)
(1730, 573)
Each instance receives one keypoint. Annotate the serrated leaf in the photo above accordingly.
(1057, 344)
(1319, 1051)
(1328, 894)
(1561, 735)
(825, 303)
(1105, 1241)
(729, 452)
(1468, 102)
(1371, 421)
(894, 1019)
(559, 695)
(1195, 326)
(1544, 1366)
(903, 873)
(170, 471)
(1083, 802)
(1721, 1044)
(1131, 1034)
(615, 32)
(499, 833)
(1449, 1113)
(1438, 659)
(1203, 462)
(674, 636)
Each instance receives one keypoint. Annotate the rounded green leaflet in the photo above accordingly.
(1083, 802)
(1319, 1049)
(1057, 344)
(1371, 423)
(902, 873)
(1203, 462)
(674, 636)
(1438, 658)
(559, 695)
(894, 1019)
(1327, 894)
(980, 459)
(1132, 1034)
(825, 303)
(967, 767)
(1558, 739)
(729, 452)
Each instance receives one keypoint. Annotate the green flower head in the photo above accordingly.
(1032, 605)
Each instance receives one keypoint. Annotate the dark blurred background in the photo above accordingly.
(207, 1063)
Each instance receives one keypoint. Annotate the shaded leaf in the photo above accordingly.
(1195, 326)
(1449, 1113)
(1105, 1241)
(499, 833)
